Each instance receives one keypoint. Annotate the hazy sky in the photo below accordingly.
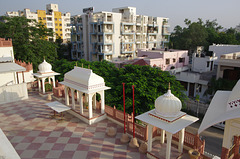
(226, 12)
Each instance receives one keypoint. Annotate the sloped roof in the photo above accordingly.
(10, 67)
(225, 105)
(140, 62)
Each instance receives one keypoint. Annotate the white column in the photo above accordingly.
(150, 127)
(94, 101)
(66, 96)
(181, 140)
(169, 141)
(39, 85)
(49, 80)
(53, 79)
(90, 105)
(77, 96)
(81, 102)
(73, 99)
(43, 84)
(162, 136)
(102, 102)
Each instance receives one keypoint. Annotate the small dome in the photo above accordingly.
(168, 105)
(44, 67)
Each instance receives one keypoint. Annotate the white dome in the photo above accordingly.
(44, 67)
(168, 105)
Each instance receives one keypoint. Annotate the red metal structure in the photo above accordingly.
(124, 107)
(133, 114)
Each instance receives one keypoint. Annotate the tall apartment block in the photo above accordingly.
(116, 35)
(51, 18)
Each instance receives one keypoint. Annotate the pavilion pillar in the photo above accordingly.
(53, 79)
(66, 96)
(49, 80)
(86, 98)
(169, 141)
(81, 102)
(73, 98)
(181, 140)
(150, 128)
(94, 101)
(90, 105)
(162, 136)
(77, 96)
(102, 102)
(39, 85)
(43, 85)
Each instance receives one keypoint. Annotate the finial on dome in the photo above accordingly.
(43, 58)
(88, 66)
(76, 63)
(169, 86)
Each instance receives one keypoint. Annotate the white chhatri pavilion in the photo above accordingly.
(168, 117)
(83, 80)
(45, 71)
(225, 106)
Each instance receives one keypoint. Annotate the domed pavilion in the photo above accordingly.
(86, 84)
(45, 72)
(167, 116)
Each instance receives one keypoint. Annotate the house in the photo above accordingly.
(167, 60)
(229, 66)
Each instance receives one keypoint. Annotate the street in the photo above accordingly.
(213, 138)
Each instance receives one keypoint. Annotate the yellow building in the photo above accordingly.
(53, 19)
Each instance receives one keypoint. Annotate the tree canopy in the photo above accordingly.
(149, 83)
(29, 39)
(202, 34)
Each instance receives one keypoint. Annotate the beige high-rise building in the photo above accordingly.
(116, 35)
(52, 18)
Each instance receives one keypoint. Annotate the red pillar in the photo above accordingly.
(133, 114)
(124, 107)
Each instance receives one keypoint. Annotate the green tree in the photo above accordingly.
(149, 83)
(202, 34)
(29, 39)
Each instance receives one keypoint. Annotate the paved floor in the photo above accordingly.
(28, 126)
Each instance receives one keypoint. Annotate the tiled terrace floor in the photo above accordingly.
(34, 135)
(28, 126)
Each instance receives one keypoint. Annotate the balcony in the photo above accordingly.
(165, 31)
(127, 21)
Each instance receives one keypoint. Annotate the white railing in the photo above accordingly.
(13, 93)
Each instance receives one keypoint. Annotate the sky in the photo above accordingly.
(226, 12)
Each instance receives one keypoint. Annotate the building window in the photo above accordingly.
(44, 18)
(60, 24)
(60, 29)
(55, 19)
(174, 60)
(181, 60)
(60, 34)
(60, 19)
(56, 29)
(56, 24)
(167, 61)
(39, 18)
(49, 18)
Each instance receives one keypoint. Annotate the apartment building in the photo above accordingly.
(52, 18)
(116, 35)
